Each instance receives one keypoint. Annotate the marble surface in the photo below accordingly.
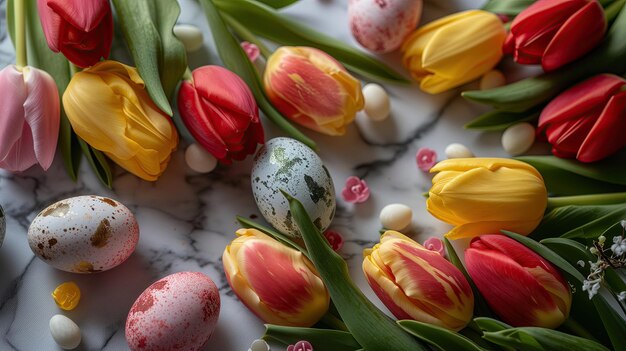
(187, 219)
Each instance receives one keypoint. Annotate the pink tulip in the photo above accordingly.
(521, 287)
(80, 29)
(30, 117)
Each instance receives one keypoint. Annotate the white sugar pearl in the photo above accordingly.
(64, 332)
(259, 345)
(492, 79)
(377, 105)
(518, 138)
(456, 150)
(190, 36)
(396, 216)
(199, 159)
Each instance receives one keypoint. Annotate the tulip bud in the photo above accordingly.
(587, 121)
(556, 32)
(220, 112)
(312, 89)
(486, 195)
(80, 29)
(30, 117)
(520, 286)
(277, 283)
(416, 283)
(109, 108)
(454, 50)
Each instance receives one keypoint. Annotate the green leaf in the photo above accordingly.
(507, 7)
(546, 253)
(278, 4)
(236, 60)
(320, 339)
(611, 170)
(609, 57)
(613, 323)
(443, 339)
(98, 163)
(500, 120)
(579, 222)
(541, 339)
(269, 23)
(481, 307)
(490, 324)
(369, 326)
(160, 57)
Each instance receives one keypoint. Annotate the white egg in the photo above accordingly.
(65, 332)
(199, 160)
(3, 227)
(377, 105)
(456, 150)
(259, 345)
(492, 79)
(396, 216)
(84, 234)
(382, 25)
(190, 36)
(518, 138)
(287, 164)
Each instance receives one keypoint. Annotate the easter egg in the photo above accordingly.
(287, 164)
(178, 312)
(84, 234)
(382, 25)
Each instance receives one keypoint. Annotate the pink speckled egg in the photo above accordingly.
(382, 25)
(84, 234)
(178, 312)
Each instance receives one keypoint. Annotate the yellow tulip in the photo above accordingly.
(454, 50)
(486, 195)
(110, 109)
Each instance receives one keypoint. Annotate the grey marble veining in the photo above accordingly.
(187, 219)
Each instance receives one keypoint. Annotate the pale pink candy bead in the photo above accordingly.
(334, 239)
(435, 244)
(356, 190)
(251, 50)
(300, 346)
(426, 158)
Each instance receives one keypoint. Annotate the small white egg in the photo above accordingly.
(396, 216)
(190, 36)
(518, 138)
(492, 79)
(456, 150)
(259, 345)
(65, 332)
(377, 104)
(199, 160)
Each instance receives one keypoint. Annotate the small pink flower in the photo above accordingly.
(251, 50)
(356, 190)
(426, 158)
(334, 239)
(300, 346)
(435, 244)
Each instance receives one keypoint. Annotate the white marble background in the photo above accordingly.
(187, 219)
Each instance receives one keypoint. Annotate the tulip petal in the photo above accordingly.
(567, 136)
(13, 93)
(492, 164)
(578, 35)
(51, 24)
(82, 14)
(42, 112)
(606, 136)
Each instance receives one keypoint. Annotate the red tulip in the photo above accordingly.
(520, 286)
(555, 32)
(587, 120)
(219, 110)
(80, 29)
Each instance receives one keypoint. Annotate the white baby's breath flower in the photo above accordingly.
(621, 296)
(619, 245)
(581, 263)
(623, 223)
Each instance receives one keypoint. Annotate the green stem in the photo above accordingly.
(334, 322)
(613, 10)
(21, 59)
(585, 200)
(247, 35)
(74, 69)
(188, 75)
(574, 327)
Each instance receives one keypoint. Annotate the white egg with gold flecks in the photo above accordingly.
(289, 165)
(84, 234)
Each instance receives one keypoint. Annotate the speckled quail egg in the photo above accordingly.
(287, 164)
